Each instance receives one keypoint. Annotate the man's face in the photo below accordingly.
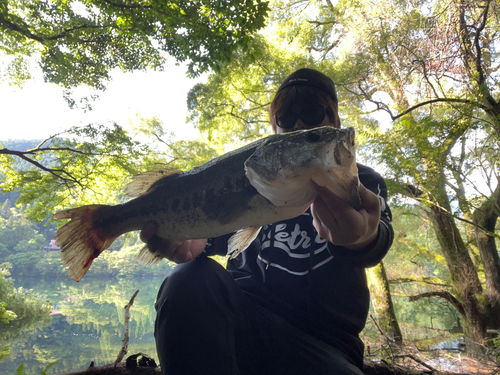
(301, 116)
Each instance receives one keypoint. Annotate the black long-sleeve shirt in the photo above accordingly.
(317, 286)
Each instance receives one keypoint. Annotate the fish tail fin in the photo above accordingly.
(80, 240)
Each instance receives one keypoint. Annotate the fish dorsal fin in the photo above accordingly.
(241, 240)
(141, 183)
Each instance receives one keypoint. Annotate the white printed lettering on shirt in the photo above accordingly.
(292, 241)
(289, 242)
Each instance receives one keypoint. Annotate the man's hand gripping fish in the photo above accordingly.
(267, 181)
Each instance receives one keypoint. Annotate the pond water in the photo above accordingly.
(87, 324)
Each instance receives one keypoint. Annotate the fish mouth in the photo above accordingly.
(341, 173)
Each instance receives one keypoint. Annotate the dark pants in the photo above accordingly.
(206, 325)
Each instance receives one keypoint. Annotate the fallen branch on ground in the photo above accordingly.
(123, 350)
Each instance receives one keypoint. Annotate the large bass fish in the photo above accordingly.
(264, 182)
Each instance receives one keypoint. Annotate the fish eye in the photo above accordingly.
(314, 137)
(257, 154)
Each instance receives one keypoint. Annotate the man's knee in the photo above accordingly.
(194, 279)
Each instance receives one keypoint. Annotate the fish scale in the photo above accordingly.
(266, 181)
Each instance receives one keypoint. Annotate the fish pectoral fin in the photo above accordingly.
(153, 253)
(241, 240)
(142, 182)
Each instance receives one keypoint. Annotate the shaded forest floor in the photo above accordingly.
(452, 363)
(432, 362)
(437, 363)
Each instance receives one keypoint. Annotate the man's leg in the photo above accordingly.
(291, 351)
(205, 324)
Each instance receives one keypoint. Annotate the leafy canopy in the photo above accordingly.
(86, 165)
(80, 42)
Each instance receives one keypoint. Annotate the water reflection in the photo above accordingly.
(89, 316)
(426, 320)
(87, 325)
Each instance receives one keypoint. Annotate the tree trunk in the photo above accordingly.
(464, 278)
(485, 217)
(382, 302)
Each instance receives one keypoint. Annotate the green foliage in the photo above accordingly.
(20, 370)
(20, 241)
(493, 350)
(410, 61)
(415, 254)
(44, 371)
(20, 311)
(90, 164)
(232, 107)
(17, 229)
(47, 264)
(6, 315)
(81, 42)
(181, 155)
(124, 263)
(26, 250)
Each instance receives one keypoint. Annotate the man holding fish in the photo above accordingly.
(295, 301)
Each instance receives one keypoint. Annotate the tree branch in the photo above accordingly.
(124, 6)
(37, 150)
(414, 193)
(318, 23)
(416, 280)
(124, 348)
(445, 100)
(476, 44)
(41, 39)
(440, 294)
(12, 26)
(420, 362)
(56, 172)
(330, 5)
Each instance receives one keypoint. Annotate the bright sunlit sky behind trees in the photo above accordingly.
(39, 110)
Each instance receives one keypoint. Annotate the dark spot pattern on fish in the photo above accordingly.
(163, 206)
(197, 200)
(228, 184)
(113, 218)
(210, 195)
(175, 205)
(187, 204)
(231, 207)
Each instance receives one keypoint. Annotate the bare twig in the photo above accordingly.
(422, 363)
(123, 350)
